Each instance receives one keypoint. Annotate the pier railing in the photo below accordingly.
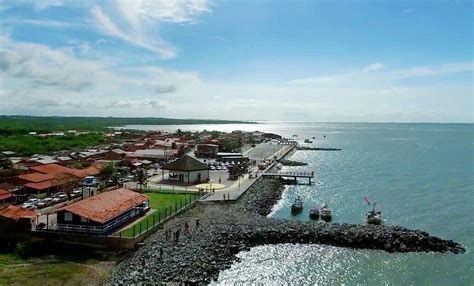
(290, 174)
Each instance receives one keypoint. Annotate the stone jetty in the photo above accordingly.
(215, 233)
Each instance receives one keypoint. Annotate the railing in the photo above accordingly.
(150, 222)
(290, 174)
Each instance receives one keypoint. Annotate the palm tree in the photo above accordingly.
(141, 177)
(115, 178)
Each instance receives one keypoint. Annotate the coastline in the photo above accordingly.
(227, 228)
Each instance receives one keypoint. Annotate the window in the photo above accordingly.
(84, 219)
(67, 216)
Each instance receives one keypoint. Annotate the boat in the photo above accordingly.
(314, 137)
(326, 214)
(308, 141)
(314, 213)
(373, 216)
(297, 205)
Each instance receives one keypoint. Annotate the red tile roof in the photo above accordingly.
(105, 206)
(58, 169)
(4, 194)
(36, 177)
(16, 212)
(58, 180)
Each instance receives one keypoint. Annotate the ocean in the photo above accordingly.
(420, 175)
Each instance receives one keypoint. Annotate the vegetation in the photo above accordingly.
(14, 125)
(141, 178)
(160, 202)
(77, 268)
(26, 145)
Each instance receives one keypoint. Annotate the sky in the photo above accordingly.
(287, 60)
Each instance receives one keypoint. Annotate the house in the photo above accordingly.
(26, 219)
(206, 150)
(187, 170)
(7, 192)
(103, 213)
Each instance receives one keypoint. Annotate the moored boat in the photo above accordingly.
(314, 213)
(308, 141)
(373, 216)
(326, 214)
(297, 205)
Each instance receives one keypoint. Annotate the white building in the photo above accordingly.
(187, 170)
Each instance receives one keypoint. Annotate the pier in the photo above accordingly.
(294, 175)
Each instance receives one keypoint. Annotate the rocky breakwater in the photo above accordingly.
(292, 163)
(223, 230)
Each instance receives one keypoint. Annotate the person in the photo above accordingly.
(186, 227)
(143, 262)
(228, 196)
(223, 196)
(220, 180)
(197, 223)
(161, 252)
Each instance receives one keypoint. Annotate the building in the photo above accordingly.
(187, 170)
(103, 213)
(26, 219)
(153, 154)
(206, 150)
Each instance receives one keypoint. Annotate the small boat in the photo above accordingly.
(326, 214)
(314, 137)
(373, 216)
(314, 213)
(297, 205)
(308, 141)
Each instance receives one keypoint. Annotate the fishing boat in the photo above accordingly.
(308, 141)
(314, 213)
(326, 214)
(297, 205)
(373, 216)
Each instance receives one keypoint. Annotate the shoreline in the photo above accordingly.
(227, 228)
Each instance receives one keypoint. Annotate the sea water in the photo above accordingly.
(420, 175)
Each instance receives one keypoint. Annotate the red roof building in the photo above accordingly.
(102, 213)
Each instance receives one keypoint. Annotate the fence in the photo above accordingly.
(153, 220)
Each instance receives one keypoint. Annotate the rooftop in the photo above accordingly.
(186, 163)
(106, 206)
(16, 212)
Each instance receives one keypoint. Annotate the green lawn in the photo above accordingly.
(51, 270)
(160, 202)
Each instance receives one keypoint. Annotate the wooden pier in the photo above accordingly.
(295, 175)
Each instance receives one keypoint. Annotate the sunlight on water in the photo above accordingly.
(422, 177)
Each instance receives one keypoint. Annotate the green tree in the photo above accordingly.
(141, 177)
(6, 164)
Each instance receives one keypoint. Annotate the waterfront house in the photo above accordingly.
(187, 170)
(103, 213)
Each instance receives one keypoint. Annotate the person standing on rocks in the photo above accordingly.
(197, 223)
(161, 252)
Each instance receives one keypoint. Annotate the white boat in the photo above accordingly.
(373, 216)
(326, 214)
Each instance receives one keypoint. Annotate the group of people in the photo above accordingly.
(226, 196)
(174, 235)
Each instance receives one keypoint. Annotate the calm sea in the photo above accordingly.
(420, 175)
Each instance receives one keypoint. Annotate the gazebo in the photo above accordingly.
(187, 170)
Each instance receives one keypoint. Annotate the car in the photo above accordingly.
(60, 198)
(28, 206)
(44, 203)
(32, 201)
(58, 194)
(76, 193)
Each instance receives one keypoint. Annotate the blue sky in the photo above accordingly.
(397, 61)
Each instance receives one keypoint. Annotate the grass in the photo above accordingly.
(160, 202)
(52, 270)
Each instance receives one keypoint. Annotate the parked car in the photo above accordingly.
(28, 206)
(60, 198)
(55, 195)
(32, 201)
(44, 203)
(76, 193)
